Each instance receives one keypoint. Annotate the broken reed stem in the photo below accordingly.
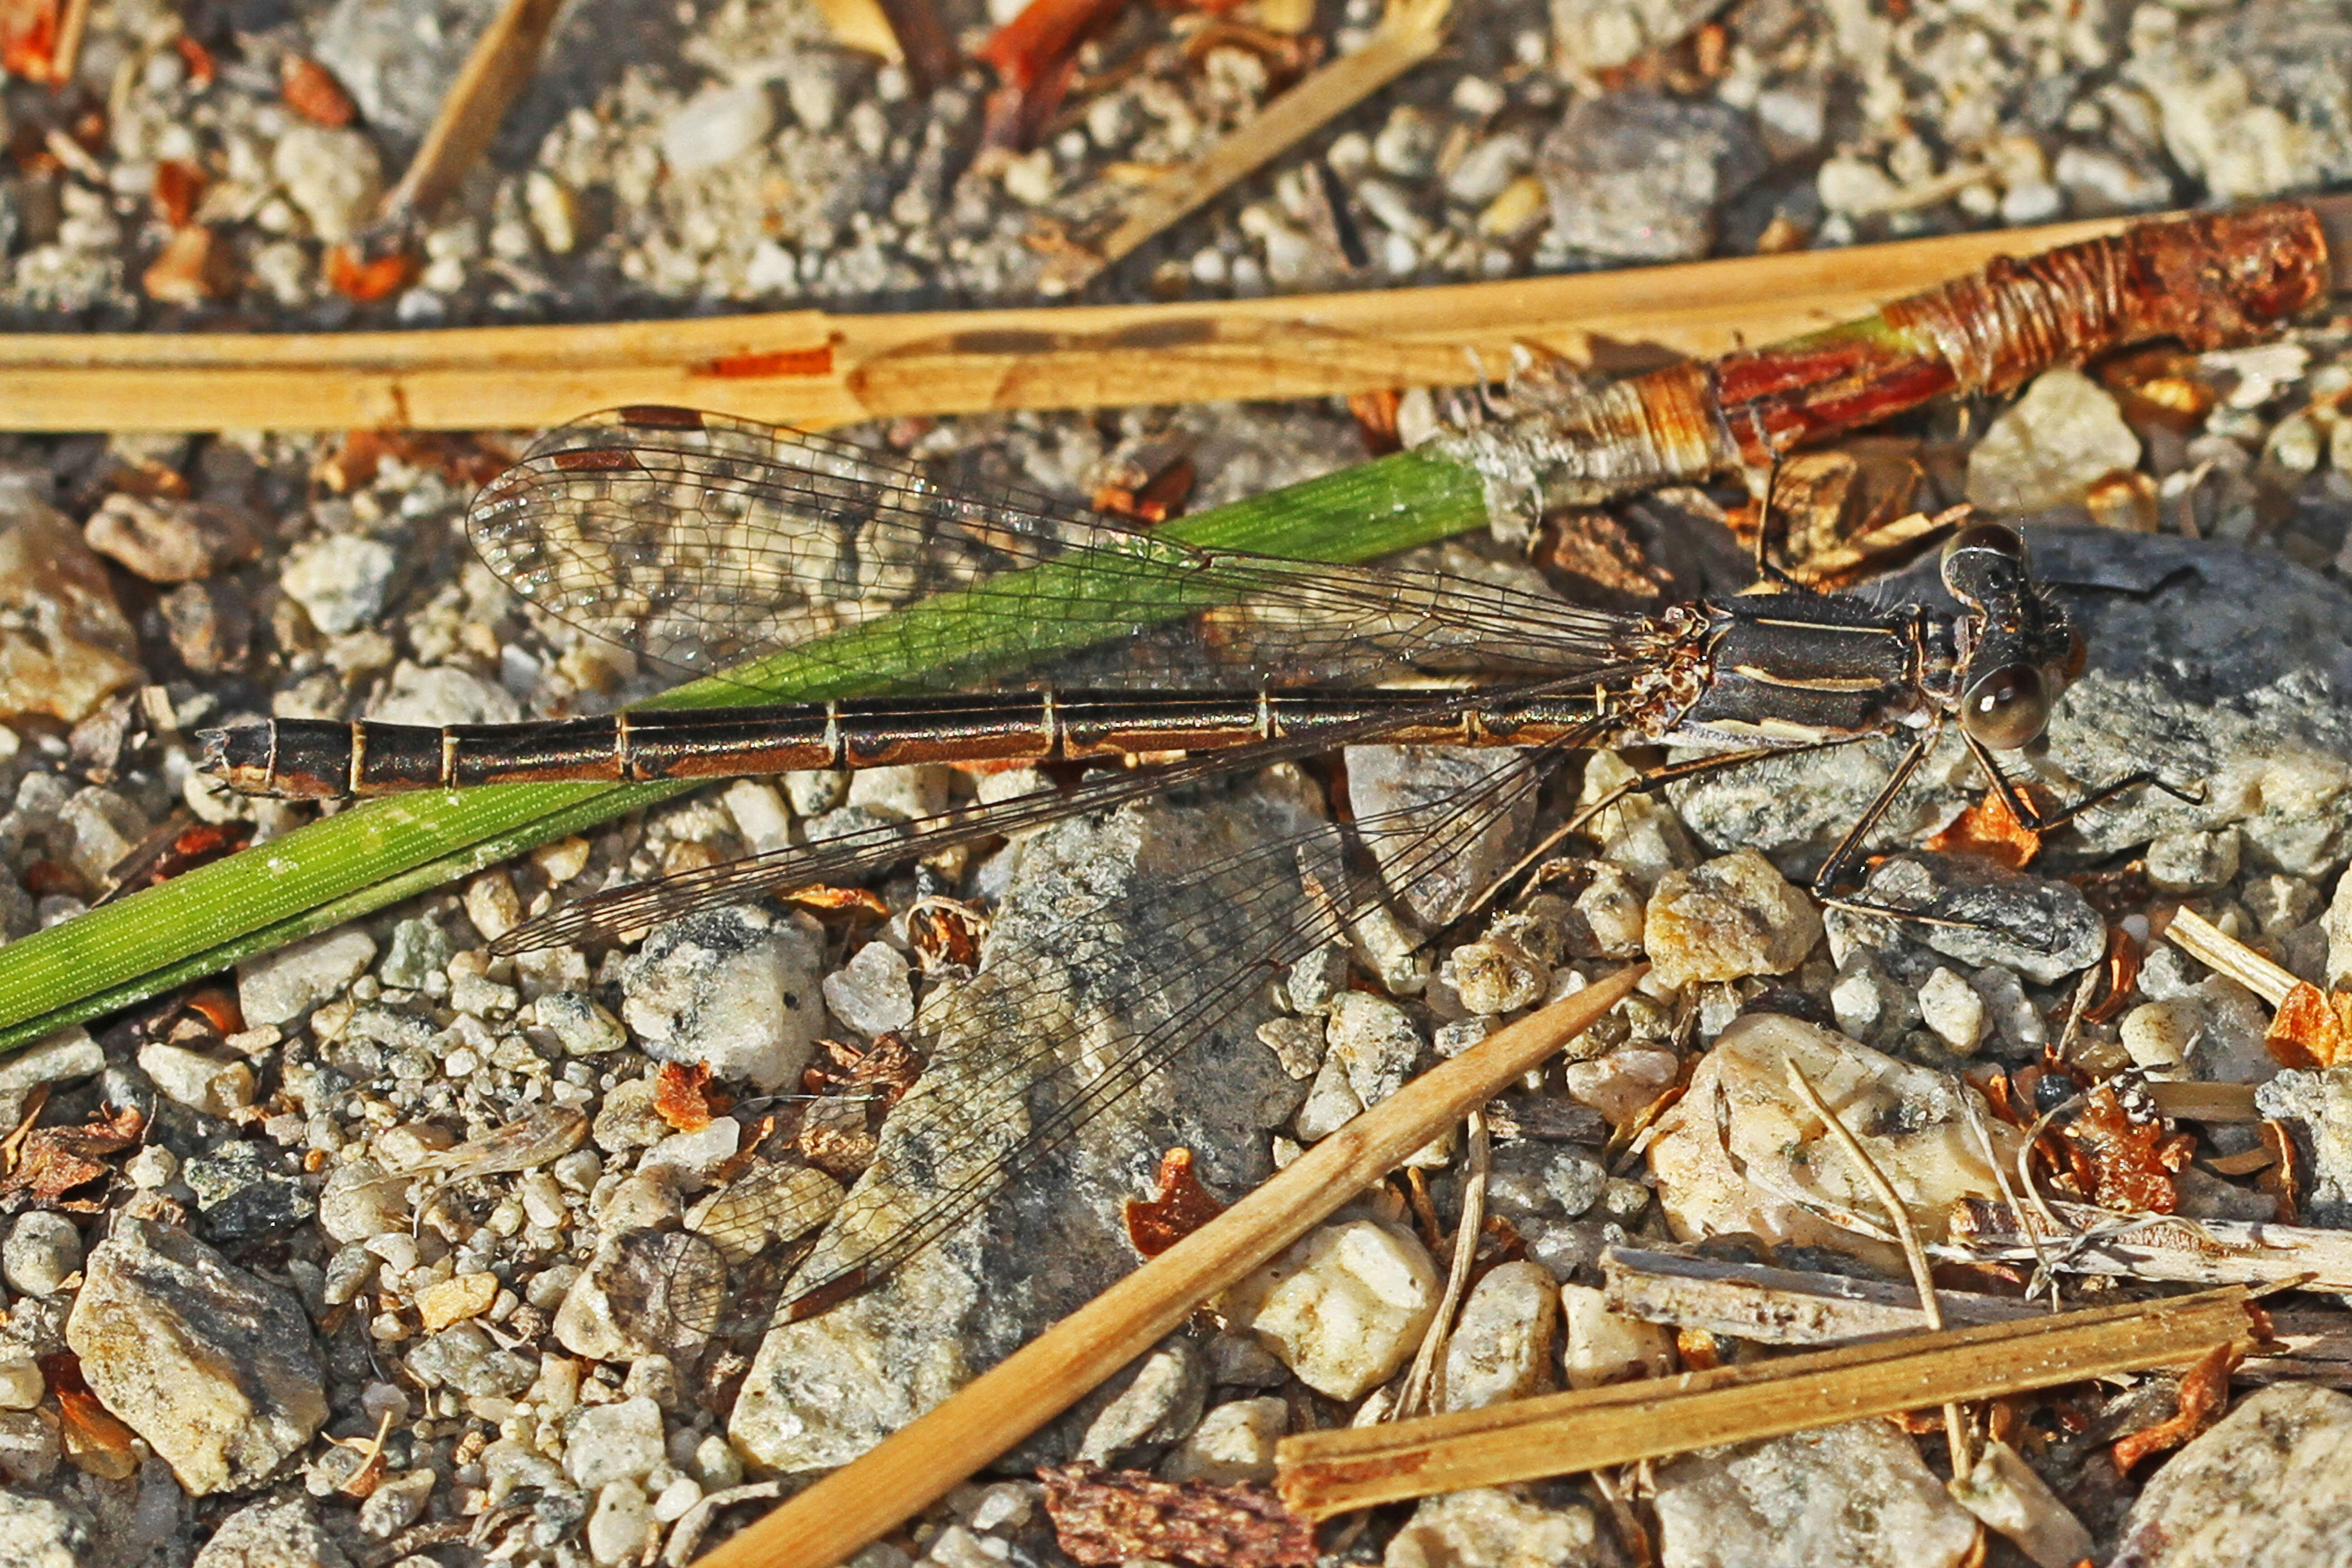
(73, 26)
(818, 369)
(1898, 1214)
(2220, 951)
(1323, 1473)
(501, 62)
(928, 1458)
(1409, 33)
(1466, 1227)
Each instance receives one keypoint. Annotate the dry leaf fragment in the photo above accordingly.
(2124, 1161)
(177, 187)
(2204, 1390)
(888, 1067)
(311, 92)
(945, 933)
(366, 279)
(1109, 1516)
(1991, 829)
(1178, 1206)
(682, 1095)
(2312, 1028)
(60, 1159)
(96, 1442)
(826, 900)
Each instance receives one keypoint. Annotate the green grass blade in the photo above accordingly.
(362, 858)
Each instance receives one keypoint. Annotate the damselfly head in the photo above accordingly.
(2018, 650)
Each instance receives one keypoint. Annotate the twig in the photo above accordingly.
(1322, 1473)
(928, 1458)
(1458, 1278)
(816, 369)
(73, 23)
(1780, 1306)
(2217, 950)
(2160, 1246)
(1973, 1113)
(501, 62)
(1898, 1213)
(1409, 33)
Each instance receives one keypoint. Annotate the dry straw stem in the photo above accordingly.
(2167, 1247)
(815, 369)
(1409, 33)
(1322, 1473)
(2217, 950)
(503, 61)
(929, 1457)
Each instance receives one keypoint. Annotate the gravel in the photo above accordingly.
(355, 1204)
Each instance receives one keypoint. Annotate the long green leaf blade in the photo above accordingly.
(362, 858)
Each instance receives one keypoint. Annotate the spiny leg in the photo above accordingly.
(2022, 807)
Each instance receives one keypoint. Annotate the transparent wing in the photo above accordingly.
(703, 542)
(1058, 1044)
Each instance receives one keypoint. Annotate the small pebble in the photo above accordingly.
(1732, 917)
(1952, 1011)
(1233, 1441)
(1501, 1347)
(1605, 1347)
(1345, 1308)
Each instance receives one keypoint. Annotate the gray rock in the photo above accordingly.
(333, 175)
(736, 988)
(167, 541)
(284, 985)
(214, 1368)
(398, 58)
(1160, 1404)
(41, 1533)
(871, 992)
(1638, 176)
(621, 1441)
(1233, 1441)
(1075, 940)
(341, 579)
(69, 1054)
(442, 694)
(42, 1249)
(1374, 1042)
(715, 126)
(581, 1024)
(1598, 35)
(1502, 1346)
(418, 953)
(2046, 450)
(2214, 664)
(245, 1191)
(1488, 1527)
(2254, 97)
(1400, 792)
(1857, 1495)
(276, 1533)
(1869, 1003)
(2193, 860)
(2317, 1109)
(2271, 1483)
(65, 646)
(465, 1358)
(1983, 914)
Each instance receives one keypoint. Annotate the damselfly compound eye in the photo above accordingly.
(1984, 560)
(2005, 708)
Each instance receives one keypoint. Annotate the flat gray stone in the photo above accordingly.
(2272, 1484)
(1102, 912)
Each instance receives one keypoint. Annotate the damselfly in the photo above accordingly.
(706, 544)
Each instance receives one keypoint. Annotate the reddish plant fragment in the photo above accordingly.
(1109, 1516)
(60, 1159)
(1376, 418)
(195, 265)
(2204, 1390)
(2283, 1178)
(366, 280)
(825, 901)
(28, 37)
(1607, 561)
(217, 1005)
(1991, 829)
(202, 68)
(1178, 1206)
(1147, 482)
(461, 459)
(2312, 1029)
(817, 360)
(2123, 977)
(2123, 1162)
(311, 92)
(888, 1067)
(96, 1442)
(945, 932)
(1034, 57)
(682, 1095)
(177, 187)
